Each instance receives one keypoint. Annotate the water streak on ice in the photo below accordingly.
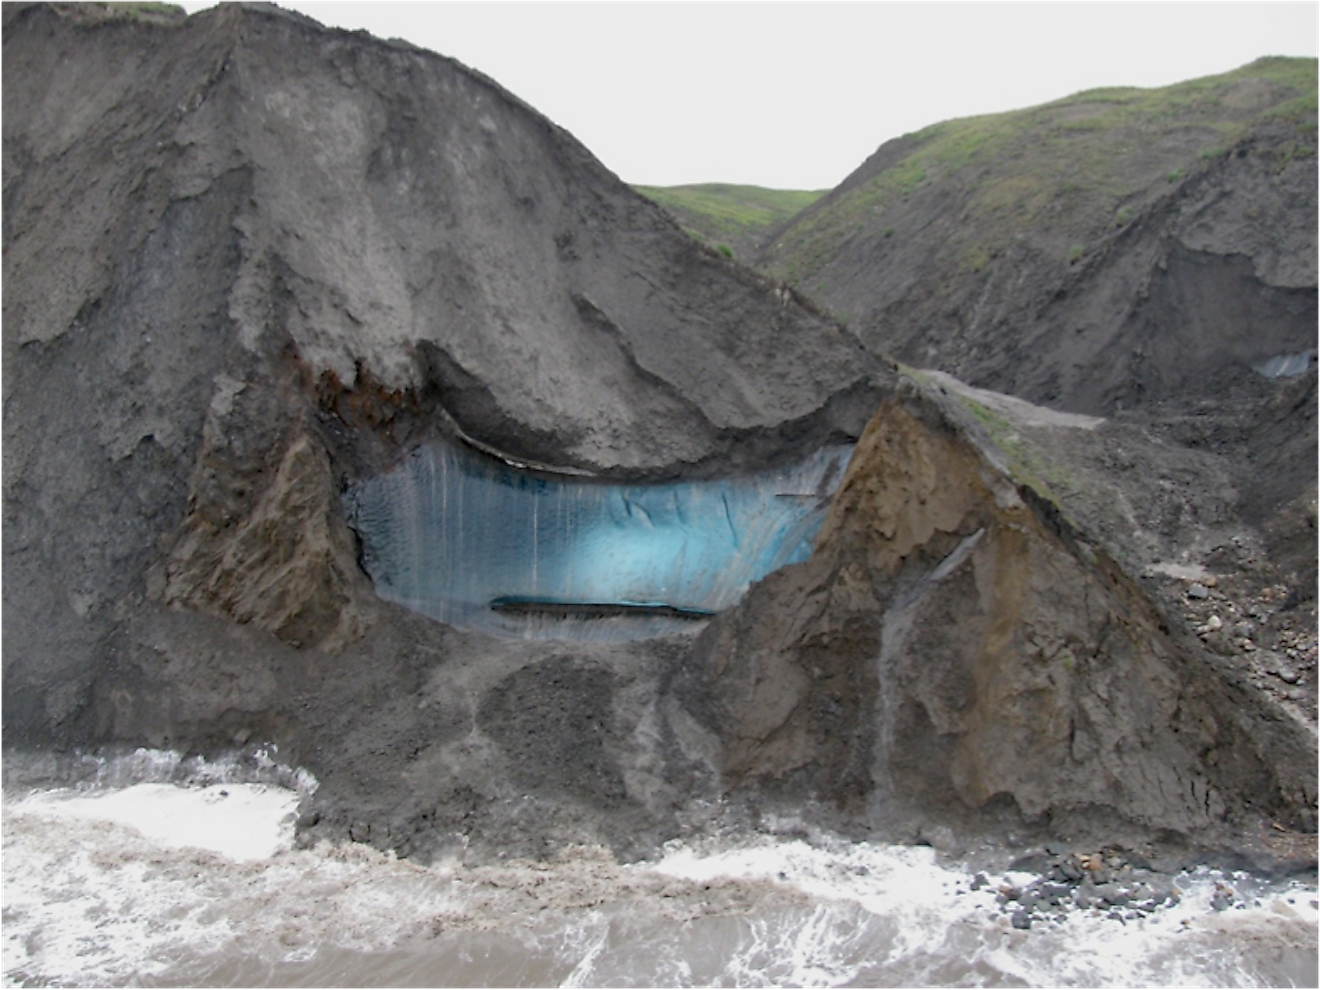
(1287, 365)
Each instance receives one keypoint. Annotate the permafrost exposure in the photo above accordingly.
(269, 288)
(478, 544)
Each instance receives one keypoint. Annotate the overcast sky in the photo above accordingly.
(796, 96)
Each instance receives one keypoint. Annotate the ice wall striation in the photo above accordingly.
(473, 542)
(1287, 365)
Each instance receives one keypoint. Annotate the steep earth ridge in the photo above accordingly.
(958, 652)
(1146, 255)
(249, 260)
(266, 256)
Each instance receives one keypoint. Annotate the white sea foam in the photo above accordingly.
(238, 821)
(922, 924)
(90, 899)
(118, 888)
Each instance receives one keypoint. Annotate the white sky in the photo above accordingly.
(796, 96)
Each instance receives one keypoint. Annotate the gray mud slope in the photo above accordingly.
(248, 258)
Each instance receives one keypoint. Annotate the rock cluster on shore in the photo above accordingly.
(1121, 886)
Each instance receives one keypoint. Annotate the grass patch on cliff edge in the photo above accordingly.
(1026, 466)
(143, 13)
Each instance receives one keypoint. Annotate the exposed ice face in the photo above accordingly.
(449, 533)
(1287, 365)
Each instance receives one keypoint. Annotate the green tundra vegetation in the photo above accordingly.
(155, 13)
(730, 217)
(1079, 166)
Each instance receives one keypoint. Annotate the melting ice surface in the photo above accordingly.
(475, 543)
(1287, 365)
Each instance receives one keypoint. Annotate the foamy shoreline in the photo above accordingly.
(171, 883)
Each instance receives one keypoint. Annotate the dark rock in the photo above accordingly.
(1021, 920)
(1117, 897)
(1032, 862)
(1138, 861)
(1223, 897)
(1162, 893)
(1054, 891)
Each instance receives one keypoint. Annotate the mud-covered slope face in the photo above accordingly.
(955, 652)
(428, 227)
(249, 259)
(1116, 249)
(408, 218)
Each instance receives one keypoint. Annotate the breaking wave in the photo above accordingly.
(155, 884)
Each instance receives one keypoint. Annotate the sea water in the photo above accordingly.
(156, 884)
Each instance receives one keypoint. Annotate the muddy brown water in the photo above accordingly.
(89, 899)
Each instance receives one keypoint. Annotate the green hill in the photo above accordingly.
(728, 216)
(1079, 253)
(1078, 166)
(1075, 168)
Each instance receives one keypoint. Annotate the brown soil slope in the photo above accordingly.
(959, 654)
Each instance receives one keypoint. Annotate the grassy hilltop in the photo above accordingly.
(1070, 171)
(730, 217)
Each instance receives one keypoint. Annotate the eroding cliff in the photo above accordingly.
(249, 259)
(1113, 250)
(251, 264)
(957, 652)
